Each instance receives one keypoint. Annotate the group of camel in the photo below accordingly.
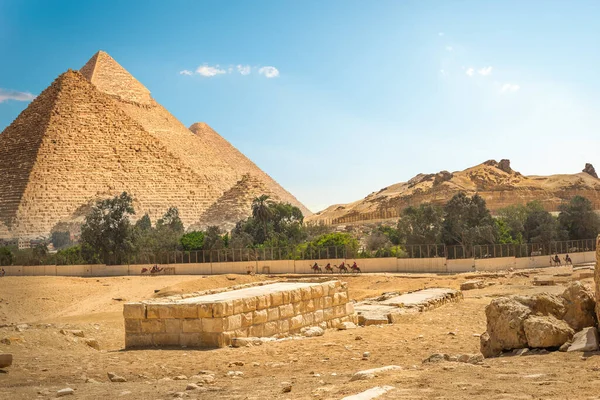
(342, 268)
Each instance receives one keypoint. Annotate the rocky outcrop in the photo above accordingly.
(589, 169)
(597, 278)
(539, 321)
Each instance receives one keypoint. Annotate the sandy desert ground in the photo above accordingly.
(46, 360)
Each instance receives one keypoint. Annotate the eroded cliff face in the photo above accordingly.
(496, 182)
(597, 277)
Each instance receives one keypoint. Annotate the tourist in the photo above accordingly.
(2, 272)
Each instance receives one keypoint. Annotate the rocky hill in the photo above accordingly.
(496, 182)
(97, 132)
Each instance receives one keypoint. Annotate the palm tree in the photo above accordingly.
(261, 211)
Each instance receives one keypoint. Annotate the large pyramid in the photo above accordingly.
(98, 132)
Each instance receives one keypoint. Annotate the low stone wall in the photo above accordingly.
(213, 320)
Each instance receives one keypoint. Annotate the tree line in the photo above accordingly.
(109, 236)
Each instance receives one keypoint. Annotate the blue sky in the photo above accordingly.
(340, 98)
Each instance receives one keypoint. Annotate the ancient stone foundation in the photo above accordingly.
(213, 320)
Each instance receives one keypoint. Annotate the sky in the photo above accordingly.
(337, 99)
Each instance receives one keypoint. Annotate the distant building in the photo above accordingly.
(16, 242)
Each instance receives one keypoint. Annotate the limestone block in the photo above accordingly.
(276, 299)
(339, 311)
(165, 339)
(317, 291)
(306, 293)
(134, 311)
(212, 325)
(336, 299)
(190, 339)
(295, 296)
(246, 319)
(308, 319)
(184, 311)
(192, 325)
(298, 308)
(138, 340)
(328, 314)
(259, 317)
(238, 306)
(175, 325)
(222, 309)
(296, 322)
(325, 287)
(286, 311)
(133, 326)
(241, 332)
(343, 297)
(284, 326)
(308, 306)
(256, 330)
(349, 308)
(273, 314)
(271, 328)
(156, 311)
(226, 339)
(262, 302)
(249, 304)
(327, 302)
(233, 322)
(318, 302)
(152, 325)
(318, 316)
(205, 310)
(212, 339)
(285, 297)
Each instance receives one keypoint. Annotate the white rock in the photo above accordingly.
(372, 373)
(346, 325)
(369, 394)
(65, 392)
(234, 373)
(585, 340)
(313, 331)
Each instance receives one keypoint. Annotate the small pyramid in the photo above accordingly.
(235, 204)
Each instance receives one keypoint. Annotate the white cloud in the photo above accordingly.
(441, 34)
(443, 72)
(269, 72)
(186, 72)
(485, 71)
(509, 88)
(449, 48)
(470, 71)
(208, 71)
(243, 69)
(7, 94)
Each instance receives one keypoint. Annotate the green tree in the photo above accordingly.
(540, 226)
(262, 213)
(107, 229)
(168, 231)
(213, 239)
(420, 225)
(514, 217)
(6, 256)
(60, 239)
(144, 223)
(578, 219)
(467, 222)
(192, 241)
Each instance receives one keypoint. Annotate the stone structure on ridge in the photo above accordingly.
(95, 133)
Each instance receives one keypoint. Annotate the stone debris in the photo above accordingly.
(585, 340)
(370, 394)
(74, 332)
(65, 392)
(286, 387)
(6, 360)
(389, 307)
(374, 372)
(312, 331)
(115, 378)
(180, 378)
(192, 386)
(544, 280)
(462, 358)
(539, 321)
(473, 284)
(346, 325)
(235, 374)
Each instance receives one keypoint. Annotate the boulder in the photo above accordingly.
(65, 392)
(472, 284)
(5, 360)
(505, 318)
(585, 340)
(115, 378)
(312, 331)
(580, 306)
(546, 331)
(544, 304)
